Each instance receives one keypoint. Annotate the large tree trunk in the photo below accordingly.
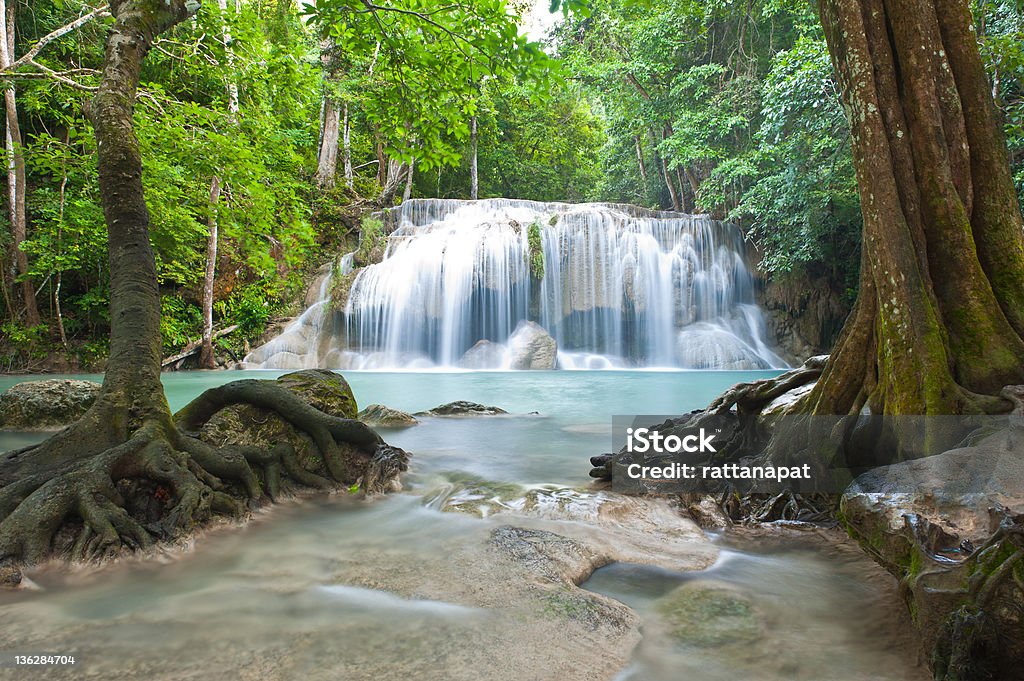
(327, 164)
(16, 181)
(78, 482)
(937, 326)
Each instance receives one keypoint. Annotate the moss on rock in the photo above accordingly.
(705, 614)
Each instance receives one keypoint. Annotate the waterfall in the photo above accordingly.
(460, 284)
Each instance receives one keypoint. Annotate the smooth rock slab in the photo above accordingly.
(46, 405)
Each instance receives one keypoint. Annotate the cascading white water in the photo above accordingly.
(621, 286)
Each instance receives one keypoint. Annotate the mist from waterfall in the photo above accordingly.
(621, 287)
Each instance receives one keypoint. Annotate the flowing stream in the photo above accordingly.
(395, 589)
(614, 286)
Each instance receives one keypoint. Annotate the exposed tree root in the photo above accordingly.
(164, 480)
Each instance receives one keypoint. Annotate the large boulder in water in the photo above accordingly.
(377, 415)
(484, 354)
(707, 346)
(46, 405)
(329, 392)
(531, 347)
(950, 528)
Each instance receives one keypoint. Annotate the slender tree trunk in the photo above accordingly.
(640, 158)
(407, 194)
(206, 355)
(347, 150)
(207, 359)
(938, 322)
(60, 270)
(474, 171)
(395, 172)
(16, 180)
(232, 86)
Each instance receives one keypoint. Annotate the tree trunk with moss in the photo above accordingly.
(73, 482)
(938, 325)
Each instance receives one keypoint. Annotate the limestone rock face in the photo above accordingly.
(46, 405)
(377, 415)
(531, 347)
(948, 527)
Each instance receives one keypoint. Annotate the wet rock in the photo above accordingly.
(550, 556)
(473, 495)
(484, 354)
(948, 528)
(531, 347)
(462, 408)
(379, 416)
(46, 405)
(707, 614)
(706, 512)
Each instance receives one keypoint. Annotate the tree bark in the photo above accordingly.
(16, 180)
(938, 322)
(474, 171)
(640, 158)
(347, 149)
(206, 355)
(327, 165)
(232, 87)
(407, 194)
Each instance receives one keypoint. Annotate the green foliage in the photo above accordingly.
(536, 250)
(415, 67)
(372, 242)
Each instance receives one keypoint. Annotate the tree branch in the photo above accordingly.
(29, 57)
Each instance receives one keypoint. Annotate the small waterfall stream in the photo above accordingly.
(483, 284)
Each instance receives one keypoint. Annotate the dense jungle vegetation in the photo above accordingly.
(266, 139)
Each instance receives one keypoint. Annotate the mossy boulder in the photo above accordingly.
(709, 614)
(378, 415)
(46, 405)
(251, 426)
(462, 408)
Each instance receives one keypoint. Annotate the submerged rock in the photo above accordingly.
(948, 528)
(531, 347)
(708, 614)
(46, 405)
(462, 408)
(378, 415)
